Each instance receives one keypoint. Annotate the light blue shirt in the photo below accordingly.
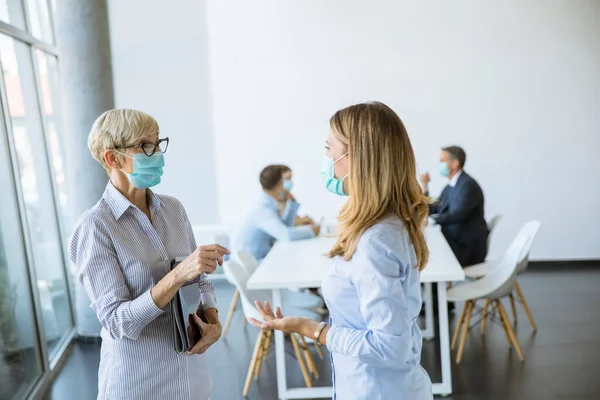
(264, 225)
(120, 255)
(374, 301)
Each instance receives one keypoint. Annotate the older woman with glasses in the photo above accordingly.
(124, 248)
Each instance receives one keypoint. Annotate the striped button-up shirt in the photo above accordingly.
(120, 255)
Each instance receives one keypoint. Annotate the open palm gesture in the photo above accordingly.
(276, 320)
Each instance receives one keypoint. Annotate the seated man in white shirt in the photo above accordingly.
(288, 184)
(264, 224)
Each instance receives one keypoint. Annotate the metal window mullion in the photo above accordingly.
(24, 36)
(51, 20)
(51, 173)
(26, 13)
(25, 231)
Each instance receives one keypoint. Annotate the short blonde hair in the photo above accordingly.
(119, 128)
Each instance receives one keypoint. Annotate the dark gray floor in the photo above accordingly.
(562, 359)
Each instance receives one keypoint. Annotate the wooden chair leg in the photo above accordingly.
(497, 307)
(310, 361)
(232, 307)
(303, 368)
(262, 354)
(525, 306)
(513, 307)
(319, 351)
(463, 338)
(268, 343)
(257, 347)
(486, 304)
(458, 325)
(259, 358)
(511, 332)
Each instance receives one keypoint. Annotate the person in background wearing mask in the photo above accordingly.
(459, 209)
(288, 185)
(123, 248)
(264, 225)
(372, 289)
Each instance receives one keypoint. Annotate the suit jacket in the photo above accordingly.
(459, 211)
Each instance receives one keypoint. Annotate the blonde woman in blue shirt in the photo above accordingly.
(372, 290)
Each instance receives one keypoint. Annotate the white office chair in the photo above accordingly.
(237, 275)
(298, 299)
(530, 229)
(492, 224)
(493, 287)
(246, 260)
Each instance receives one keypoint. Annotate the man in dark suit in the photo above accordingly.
(459, 209)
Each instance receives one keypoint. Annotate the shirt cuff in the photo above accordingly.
(309, 231)
(335, 340)
(208, 300)
(144, 310)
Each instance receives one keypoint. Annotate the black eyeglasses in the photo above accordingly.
(150, 148)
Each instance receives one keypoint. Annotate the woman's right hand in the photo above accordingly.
(204, 260)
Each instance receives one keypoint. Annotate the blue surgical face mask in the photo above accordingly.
(333, 184)
(288, 184)
(444, 171)
(147, 171)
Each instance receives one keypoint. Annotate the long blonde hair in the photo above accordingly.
(382, 177)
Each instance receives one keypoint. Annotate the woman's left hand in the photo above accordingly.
(305, 220)
(276, 320)
(210, 334)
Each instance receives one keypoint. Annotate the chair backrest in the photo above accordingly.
(501, 279)
(247, 261)
(491, 226)
(530, 229)
(238, 276)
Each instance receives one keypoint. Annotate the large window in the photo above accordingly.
(36, 318)
(20, 359)
(36, 183)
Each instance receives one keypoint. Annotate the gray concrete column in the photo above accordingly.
(87, 91)
(83, 40)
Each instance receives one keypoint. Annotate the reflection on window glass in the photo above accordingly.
(11, 12)
(36, 184)
(49, 87)
(49, 90)
(39, 19)
(20, 361)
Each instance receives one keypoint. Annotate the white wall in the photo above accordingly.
(160, 65)
(516, 84)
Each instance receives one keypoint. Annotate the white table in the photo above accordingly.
(302, 264)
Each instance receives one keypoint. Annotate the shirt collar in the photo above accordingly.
(118, 203)
(454, 179)
(269, 200)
